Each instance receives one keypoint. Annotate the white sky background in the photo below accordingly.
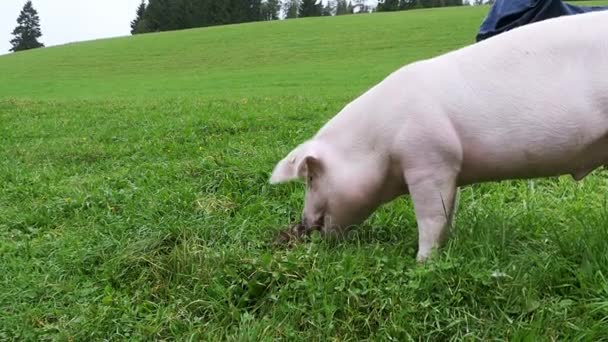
(67, 21)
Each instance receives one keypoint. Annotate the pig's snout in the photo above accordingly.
(310, 225)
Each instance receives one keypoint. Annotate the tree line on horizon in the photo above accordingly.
(400, 5)
(168, 15)
(165, 15)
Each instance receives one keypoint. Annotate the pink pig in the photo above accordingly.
(528, 103)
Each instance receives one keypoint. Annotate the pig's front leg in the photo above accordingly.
(434, 195)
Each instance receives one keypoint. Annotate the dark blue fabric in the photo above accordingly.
(509, 14)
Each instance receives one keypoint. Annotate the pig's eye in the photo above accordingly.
(309, 179)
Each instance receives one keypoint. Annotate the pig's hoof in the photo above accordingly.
(423, 257)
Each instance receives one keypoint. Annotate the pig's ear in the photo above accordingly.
(300, 164)
(310, 166)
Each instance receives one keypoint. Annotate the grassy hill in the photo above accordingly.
(134, 201)
(314, 56)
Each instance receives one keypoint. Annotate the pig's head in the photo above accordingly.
(338, 193)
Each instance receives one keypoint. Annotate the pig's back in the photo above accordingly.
(530, 102)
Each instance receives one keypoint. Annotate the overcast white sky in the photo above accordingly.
(66, 21)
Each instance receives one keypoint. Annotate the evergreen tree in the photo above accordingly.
(341, 7)
(292, 8)
(158, 17)
(164, 15)
(237, 11)
(139, 24)
(270, 10)
(310, 8)
(329, 8)
(240, 11)
(28, 31)
(274, 7)
(199, 13)
(408, 4)
(396, 5)
(181, 14)
(426, 3)
(454, 2)
(350, 7)
(389, 5)
(218, 12)
(438, 3)
(253, 8)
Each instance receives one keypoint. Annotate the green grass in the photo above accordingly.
(134, 201)
(312, 57)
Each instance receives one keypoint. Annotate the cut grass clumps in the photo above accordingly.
(135, 204)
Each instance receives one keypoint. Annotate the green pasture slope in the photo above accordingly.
(134, 202)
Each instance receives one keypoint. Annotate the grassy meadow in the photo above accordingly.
(135, 204)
